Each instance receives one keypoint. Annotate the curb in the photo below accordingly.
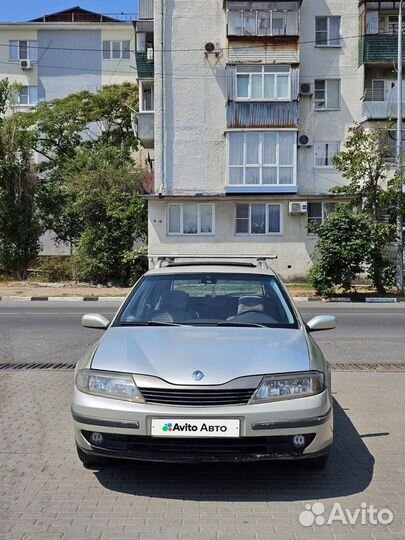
(344, 300)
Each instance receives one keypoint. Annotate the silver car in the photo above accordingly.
(205, 362)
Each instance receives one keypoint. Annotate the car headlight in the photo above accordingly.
(106, 384)
(289, 386)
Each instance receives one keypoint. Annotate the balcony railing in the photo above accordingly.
(378, 105)
(272, 23)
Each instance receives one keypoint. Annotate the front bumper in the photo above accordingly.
(266, 430)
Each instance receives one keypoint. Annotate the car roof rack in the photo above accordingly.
(226, 260)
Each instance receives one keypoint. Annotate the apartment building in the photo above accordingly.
(65, 52)
(251, 101)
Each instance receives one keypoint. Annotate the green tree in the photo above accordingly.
(363, 163)
(20, 191)
(343, 248)
(103, 186)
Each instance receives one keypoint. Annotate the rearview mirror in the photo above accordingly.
(94, 320)
(322, 322)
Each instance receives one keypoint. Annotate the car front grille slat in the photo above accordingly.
(197, 397)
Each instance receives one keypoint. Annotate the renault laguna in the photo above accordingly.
(205, 361)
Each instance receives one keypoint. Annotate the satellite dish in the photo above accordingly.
(209, 47)
(392, 131)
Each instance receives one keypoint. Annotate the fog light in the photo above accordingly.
(96, 438)
(298, 441)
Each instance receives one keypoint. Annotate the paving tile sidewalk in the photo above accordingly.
(45, 494)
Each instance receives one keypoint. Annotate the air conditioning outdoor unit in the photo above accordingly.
(297, 208)
(150, 54)
(25, 64)
(305, 141)
(306, 89)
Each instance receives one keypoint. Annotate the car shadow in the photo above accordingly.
(349, 471)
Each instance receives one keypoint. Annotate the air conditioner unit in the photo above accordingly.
(306, 89)
(25, 64)
(297, 208)
(305, 141)
(150, 54)
(212, 48)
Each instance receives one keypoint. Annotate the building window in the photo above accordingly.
(270, 83)
(251, 18)
(258, 158)
(116, 50)
(324, 152)
(258, 219)
(193, 219)
(147, 96)
(327, 32)
(23, 50)
(318, 213)
(27, 96)
(327, 94)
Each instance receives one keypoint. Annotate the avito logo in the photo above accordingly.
(204, 428)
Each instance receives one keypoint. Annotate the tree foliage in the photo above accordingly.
(20, 191)
(362, 162)
(342, 250)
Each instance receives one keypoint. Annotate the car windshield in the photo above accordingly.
(208, 299)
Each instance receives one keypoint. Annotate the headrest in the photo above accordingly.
(175, 300)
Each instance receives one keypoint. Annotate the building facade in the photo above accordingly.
(63, 53)
(251, 101)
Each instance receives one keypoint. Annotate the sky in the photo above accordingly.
(24, 10)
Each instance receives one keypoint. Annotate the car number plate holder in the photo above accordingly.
(195, 427)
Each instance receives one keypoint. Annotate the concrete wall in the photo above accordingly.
(323, 63)
(119, 71)
(293, 247)
(195, 96)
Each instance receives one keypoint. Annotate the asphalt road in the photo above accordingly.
(52, 332)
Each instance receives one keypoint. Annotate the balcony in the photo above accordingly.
(146, 129)
(145, 9)
(262, 115)
(379, 105)
(255, 23)
(380, 48)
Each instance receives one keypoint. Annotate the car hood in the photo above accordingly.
(222, 354)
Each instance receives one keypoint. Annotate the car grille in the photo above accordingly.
(197, 398)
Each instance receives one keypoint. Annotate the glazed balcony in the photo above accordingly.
(257, 23)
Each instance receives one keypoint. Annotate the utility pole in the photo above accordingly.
(400, 232)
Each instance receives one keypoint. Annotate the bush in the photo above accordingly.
(53, 269)
(342, 251)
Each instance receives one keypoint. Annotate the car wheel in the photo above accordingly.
(88, 460)
(319, 462)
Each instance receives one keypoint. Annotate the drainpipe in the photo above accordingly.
(162, 186)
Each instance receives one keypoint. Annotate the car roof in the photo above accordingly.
(193, 268)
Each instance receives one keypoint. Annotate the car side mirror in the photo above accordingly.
(95, 320)
(321, 322)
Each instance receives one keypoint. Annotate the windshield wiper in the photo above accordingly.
(253, 325)
(150, 323)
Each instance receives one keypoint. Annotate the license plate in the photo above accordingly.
(189, 427)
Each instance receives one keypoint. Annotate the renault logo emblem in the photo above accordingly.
(198, 375)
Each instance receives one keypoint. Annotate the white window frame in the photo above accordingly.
(261, 165)
(323, 216)
(121, 42)
(276, 74)
(32, 49)
(141, 96)
(326, 108)
(266, 233)
(330, 42)
(198, 233)
(325, 143)
(28, 104)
